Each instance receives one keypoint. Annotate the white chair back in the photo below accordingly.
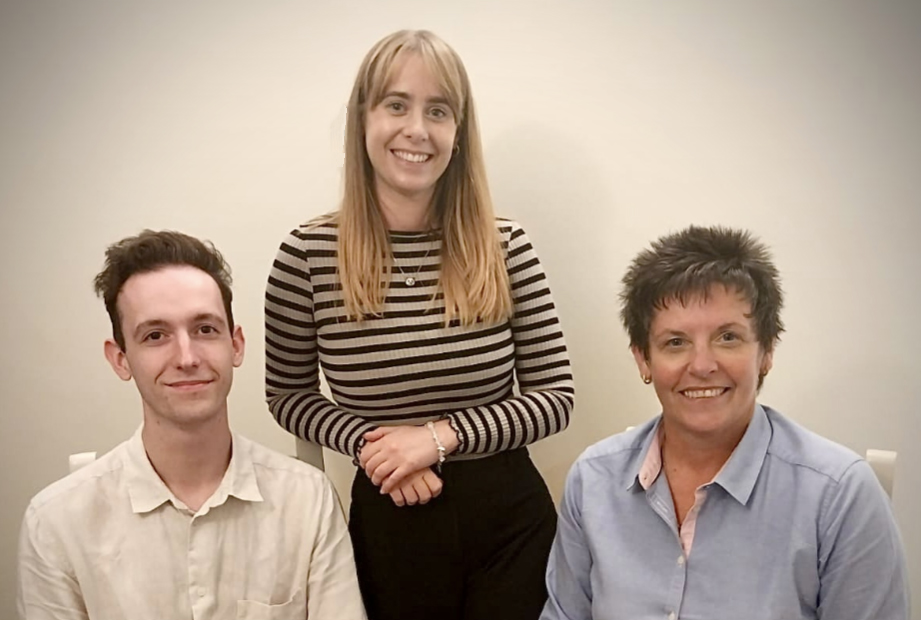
(81, 459)
(883, 464)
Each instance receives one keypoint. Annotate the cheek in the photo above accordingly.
(447, 138)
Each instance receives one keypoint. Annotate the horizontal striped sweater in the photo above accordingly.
(406, 366)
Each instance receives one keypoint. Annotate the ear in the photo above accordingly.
(767, 362)
(117, 359)
(641, 362)
(239, 345)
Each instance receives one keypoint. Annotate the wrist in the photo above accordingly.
(447, 435)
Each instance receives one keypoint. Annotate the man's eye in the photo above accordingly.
(154, 336)
(208, 329)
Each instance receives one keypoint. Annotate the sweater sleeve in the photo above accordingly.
(542, 369)
(292, 374)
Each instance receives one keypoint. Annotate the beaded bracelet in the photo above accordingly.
(438, 445)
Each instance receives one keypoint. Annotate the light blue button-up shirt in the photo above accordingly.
(793, 527)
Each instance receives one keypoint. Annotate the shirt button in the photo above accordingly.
(681, 561)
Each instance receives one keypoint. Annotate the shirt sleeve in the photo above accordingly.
(292, 371)
(862, 572)
(47, 588)
(569, 567)
(542, 368)
(332, 589)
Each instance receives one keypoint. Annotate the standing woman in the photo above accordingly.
(423, 309)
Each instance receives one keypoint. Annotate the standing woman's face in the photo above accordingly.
(410, 134)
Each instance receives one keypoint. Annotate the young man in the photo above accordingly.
(186, 519)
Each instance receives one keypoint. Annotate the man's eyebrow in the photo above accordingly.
(210, 317)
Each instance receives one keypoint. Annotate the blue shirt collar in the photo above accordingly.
(740, 473)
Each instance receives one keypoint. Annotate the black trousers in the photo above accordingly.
(477, 552)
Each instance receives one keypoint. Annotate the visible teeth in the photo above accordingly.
(416, 158)
(711, 393)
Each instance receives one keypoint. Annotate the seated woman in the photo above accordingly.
(720, 507)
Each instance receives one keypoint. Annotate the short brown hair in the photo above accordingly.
(151, 251)
(688, 263)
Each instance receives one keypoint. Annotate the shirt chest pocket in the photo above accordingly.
(294, 609)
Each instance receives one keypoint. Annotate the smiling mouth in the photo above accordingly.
(413, 158)
(697, 394)
(189, 385)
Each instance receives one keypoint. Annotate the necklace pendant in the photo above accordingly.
(410, 281)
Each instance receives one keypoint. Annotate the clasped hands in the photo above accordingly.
(399, 458)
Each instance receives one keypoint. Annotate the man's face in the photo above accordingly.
(178, 346)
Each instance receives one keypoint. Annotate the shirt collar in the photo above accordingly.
(147, 491)
(651, 465)
(737, 476)
(645, 469)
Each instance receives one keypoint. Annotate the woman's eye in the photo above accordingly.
(674, 342)
(396, 106)
(438, 113)
(728, 337)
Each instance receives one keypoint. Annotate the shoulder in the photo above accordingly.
(517, 245)
(311, 244)
(283, 470)
(318, 233)
(509, 229)
(82, 490)
(615, 460)
(798, 447)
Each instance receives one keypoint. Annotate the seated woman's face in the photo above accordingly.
(705, 361)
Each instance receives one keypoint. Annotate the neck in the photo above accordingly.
(190, 459)
(699, 456)
(405, 213)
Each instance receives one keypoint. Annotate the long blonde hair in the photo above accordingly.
(474, 278)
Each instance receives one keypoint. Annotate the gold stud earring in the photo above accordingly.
(456, 149)
(647, 379)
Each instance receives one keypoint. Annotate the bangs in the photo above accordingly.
(441, 64)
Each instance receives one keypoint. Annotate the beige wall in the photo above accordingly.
(606, 124)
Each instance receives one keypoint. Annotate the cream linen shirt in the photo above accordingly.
(111, 542)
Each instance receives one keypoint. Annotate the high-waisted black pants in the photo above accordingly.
(477, 552)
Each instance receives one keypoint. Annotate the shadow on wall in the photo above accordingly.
(568, 206)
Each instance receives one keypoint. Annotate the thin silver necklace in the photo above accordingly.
(410, 280)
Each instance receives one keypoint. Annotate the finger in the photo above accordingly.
(373, 463)
(383, 472)
(409, 492)
(397, 497)
(378, 432)
(433, 482)
(369, 451)
(394, 477)
(423, 491)
(373, 435)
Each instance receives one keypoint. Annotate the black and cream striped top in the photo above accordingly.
(406, 366)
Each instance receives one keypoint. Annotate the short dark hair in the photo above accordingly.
(688, 263)
(151, 251)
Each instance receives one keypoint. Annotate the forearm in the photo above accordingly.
(308, 414)
(512, 423)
